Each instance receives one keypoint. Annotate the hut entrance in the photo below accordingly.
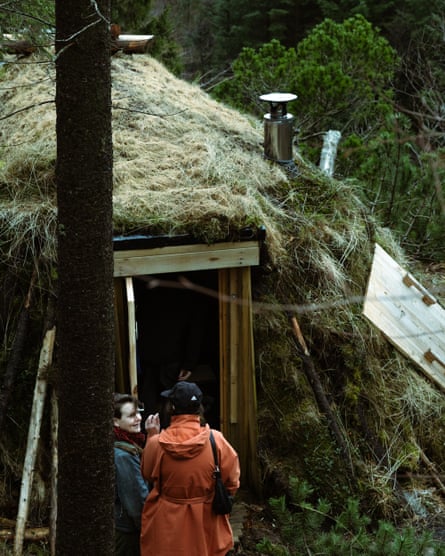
(178, 336)
(188, 308)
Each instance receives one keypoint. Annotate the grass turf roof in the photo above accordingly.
(183, 163)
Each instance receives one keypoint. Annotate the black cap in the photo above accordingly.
(184, 395)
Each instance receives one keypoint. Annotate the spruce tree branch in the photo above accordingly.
(26, 108)
(5, 8)
(99, 13)
(77, 33)
(148, 113)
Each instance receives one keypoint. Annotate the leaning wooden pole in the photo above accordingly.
(45, 361)
(320, 396)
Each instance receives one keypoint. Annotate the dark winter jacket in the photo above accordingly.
(131, 489)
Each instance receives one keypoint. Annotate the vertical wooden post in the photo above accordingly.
(46, 354)
(237, 369)
(132, 365)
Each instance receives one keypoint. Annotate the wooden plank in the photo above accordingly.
(183, 258)
(132, 368)
(249, 399)
(121, 380)
(408, 315)
(237, 371)
(224, 351)
(234, 344)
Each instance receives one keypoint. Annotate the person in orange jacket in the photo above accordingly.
(178, 463)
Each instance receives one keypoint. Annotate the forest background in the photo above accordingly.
(372, 70)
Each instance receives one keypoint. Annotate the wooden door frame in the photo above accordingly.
(232, 261)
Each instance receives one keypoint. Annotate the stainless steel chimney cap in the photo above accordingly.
(278, 97)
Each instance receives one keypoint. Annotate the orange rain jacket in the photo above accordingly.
(177, 519)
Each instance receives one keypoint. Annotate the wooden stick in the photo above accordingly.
(5, 522)
(20, 47)
(30, 534)
(320, 396)
(298, 334)
(433, 471)
(46, 354)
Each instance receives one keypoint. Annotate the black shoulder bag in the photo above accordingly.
(222, 501)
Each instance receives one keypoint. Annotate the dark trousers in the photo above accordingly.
(127, 544)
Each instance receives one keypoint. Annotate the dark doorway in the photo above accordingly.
(177, 317)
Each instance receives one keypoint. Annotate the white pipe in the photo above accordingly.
(329, 151)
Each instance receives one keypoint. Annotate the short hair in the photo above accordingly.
(122, 399)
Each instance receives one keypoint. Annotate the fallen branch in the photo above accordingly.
(21, 48)
(320, 396)
(432, 468)
(30, 534)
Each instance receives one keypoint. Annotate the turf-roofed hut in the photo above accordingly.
(197, 206)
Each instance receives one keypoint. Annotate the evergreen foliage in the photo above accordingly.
(131, 15)
(307, 527)
(401, 185)
(344, 76)
(240, 24)
(164, 48)
(341, 73)
(271, 68)
(29, 19)
(375, 12)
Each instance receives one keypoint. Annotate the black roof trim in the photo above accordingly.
(146, 241)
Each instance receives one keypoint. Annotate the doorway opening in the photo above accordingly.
(177, 320)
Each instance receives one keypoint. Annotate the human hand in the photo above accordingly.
(152, 425)
(184, 375)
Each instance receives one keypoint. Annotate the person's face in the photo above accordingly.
(130, 420)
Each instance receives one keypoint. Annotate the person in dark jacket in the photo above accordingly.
(131, 489)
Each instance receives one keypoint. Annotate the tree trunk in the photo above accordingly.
(85, 262)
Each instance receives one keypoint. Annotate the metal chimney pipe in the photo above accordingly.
(278, 128)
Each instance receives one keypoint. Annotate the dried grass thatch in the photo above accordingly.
(182, 162)
(187, 164)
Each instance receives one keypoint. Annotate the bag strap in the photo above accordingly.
(215, 456)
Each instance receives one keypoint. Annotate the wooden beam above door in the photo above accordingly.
(181, 258)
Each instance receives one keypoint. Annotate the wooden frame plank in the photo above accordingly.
(224, 351)
(234, 335)
(132, 368)
(237, 369)
(183, 258)
(408, 315)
